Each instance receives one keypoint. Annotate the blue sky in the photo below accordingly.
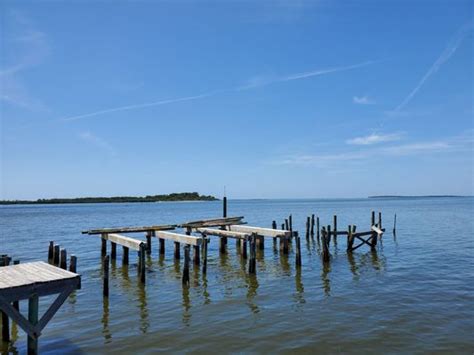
(272, 99)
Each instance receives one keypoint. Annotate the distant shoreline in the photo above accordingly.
(420, 196)
(174, 197)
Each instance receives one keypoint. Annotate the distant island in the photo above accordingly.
(183, 196)
(421, 196)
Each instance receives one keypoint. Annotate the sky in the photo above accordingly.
(269, 99)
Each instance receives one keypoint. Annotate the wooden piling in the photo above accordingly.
(260, 242)
(290, 221)
(252, 260)
(33, 305)
(105, 290)
(312, 226)
(298, 251)
(283, 226)
(350, 239)
(103, 249)
(162, 246)
(287, 224)
(317, 229)
(197, 260)
(244, 249)
(328, 233)
(51, 252)
(204, 255)
(177, 250)
(380, 220)
(56, 255)
(73, 264)
(325, 245)
(274, 226)
(372, 219)
(224, 207)
(335, 229)
(113, 250)
(186, 265)
(63, 263)
(395, 224)
(374, 238)
(308, 227)
(149, 234)
(125, 252)
(142, 263)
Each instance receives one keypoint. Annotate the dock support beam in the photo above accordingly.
(104, 245)
(125, 252)
(204, 255)
(252, 260)
(141, 264)
(177, 255)
(33, 303)
(186, 265)
(113, 250)
(162, 246)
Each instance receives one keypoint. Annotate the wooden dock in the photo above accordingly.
(31, 281)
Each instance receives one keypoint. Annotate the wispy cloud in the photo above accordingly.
(137, 106)
(374, 139)
(448, 52)
(98, 142)
(257, 82)
(460, 143)
(262, 81)
(27, 47)
(363, 100)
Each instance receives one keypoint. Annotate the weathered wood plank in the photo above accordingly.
(123, 240)
(214, 222)
(180, 238)
(223, 233)
(266, 232)
(131, 229)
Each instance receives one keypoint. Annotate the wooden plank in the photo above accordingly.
(377, 230)
(223, 233)
(123, 240)
(180, 238)
(214, 222)
(266, 232)
(131, 229)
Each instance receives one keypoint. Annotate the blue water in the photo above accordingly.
(415, 294)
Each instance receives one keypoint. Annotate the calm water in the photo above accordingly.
(414, 295)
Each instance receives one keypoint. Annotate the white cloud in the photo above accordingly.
(363, 100)
(374, 139)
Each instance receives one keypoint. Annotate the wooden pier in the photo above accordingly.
(31, 281)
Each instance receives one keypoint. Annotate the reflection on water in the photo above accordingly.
(142, 305)
(371, 260)
(326, 282)
(105, 320)
(252, 287)
(299, 295)
(186, 305)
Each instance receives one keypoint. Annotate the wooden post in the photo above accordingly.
(274, 226)
(186, 265)
(285, 245)
(125, 252)
(224, 207)
(335, 229)
(197, 260)
(176, 251)
(298, 251)
(103, 250)
(148, 242)
(33, 303)
(374, 240)
(73, 264)
(380, 220)
(317, 228)
(290, 220)
(244, 248)
(105, 290)
(395, 224)
(51, 252)
(350, 239)
(56, 255)
(287, 225)
(222, 244)
(113, 250)
(328, 234)
(252, 261)
(63, 264)
(308, 222)
(372, 219)
(312, 226)
(261, 242)
(162, 246)
(283, 226)
(204, 255)
(142, 263)
(325, 242)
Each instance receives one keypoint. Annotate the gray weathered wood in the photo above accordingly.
(130, 229)
(266, 232)
(123, 240)
(223, 233)
(180, 238)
